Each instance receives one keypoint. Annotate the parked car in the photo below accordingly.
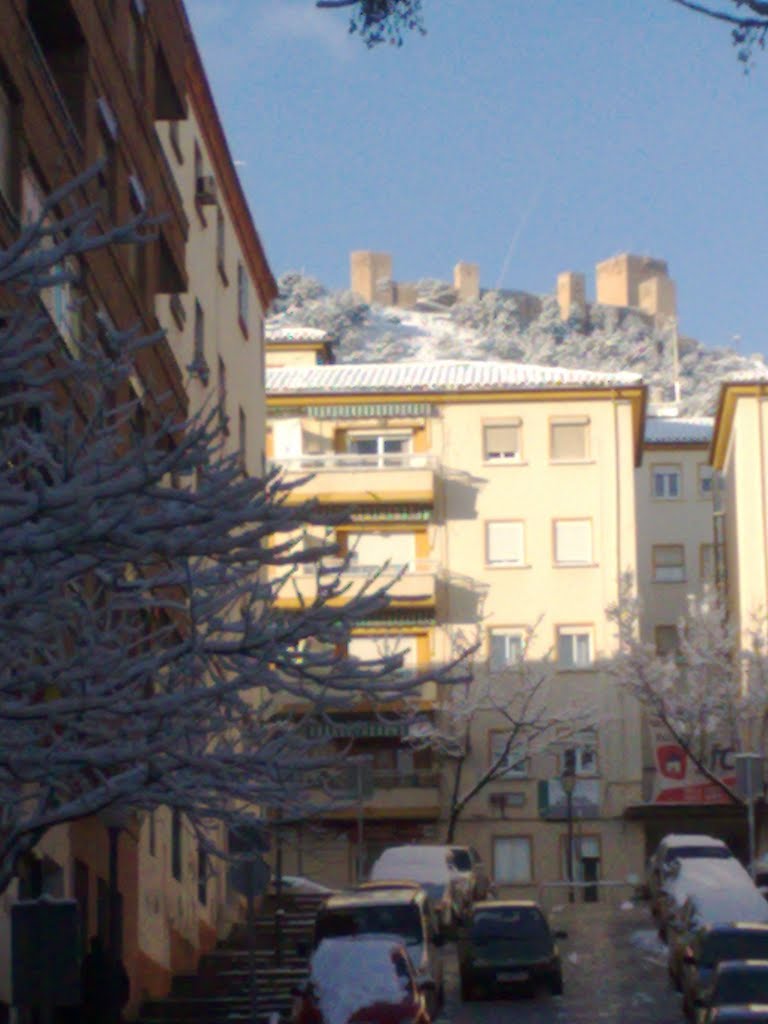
(469, 863)
(734, 983)
(760, 875)
(753, 1013)
(434, 868)
(508, 942)
(299, 885)
(400, 913)
(363, 980)
(679, 846)
(707, 947)
(710, 879)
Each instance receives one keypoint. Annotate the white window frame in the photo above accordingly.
(516, 760)
(513, 561)
(381, 457)
(508, 634)
(583, 744)
(574, 632)
(668, 572)
(522, 843)
(496, 456)
(661, 476)
(557, 542)
(573, 421)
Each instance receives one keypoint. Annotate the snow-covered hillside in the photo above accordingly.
(495, 327)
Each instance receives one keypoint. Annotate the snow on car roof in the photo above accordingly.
(721, 889)
(683, 839)
(347, 977)
(420, 863)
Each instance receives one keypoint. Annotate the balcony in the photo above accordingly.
(338, 479)
(396, 794)
(409, 586)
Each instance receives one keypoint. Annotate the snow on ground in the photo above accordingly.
(648, 941)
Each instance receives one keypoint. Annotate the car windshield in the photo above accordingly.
(741, 986)
(434, 890)
(513, 924)
(403, 921)
(733, 946)
(462, 860)
(690, 852)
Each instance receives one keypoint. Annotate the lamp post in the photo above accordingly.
(568, 782)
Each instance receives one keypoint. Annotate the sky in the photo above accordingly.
(528, 136)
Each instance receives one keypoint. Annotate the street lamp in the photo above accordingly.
(568, 782)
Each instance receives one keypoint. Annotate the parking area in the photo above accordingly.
(614, 971)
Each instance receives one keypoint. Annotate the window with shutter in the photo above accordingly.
(501, 442)
(573, 541)
(504, 543)
(569, 440)
(506, 647)
(668, 563)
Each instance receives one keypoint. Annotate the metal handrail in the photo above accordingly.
(351, 460)
(40, 59)
(394, 778)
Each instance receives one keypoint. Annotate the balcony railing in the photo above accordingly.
(394, 779)
(39, 58)
(352, 461)
(419, 567)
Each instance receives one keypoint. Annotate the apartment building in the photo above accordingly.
(508, 494)
(81, 82)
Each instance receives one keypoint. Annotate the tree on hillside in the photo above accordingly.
(379, 21)
(706, 693)
(514, 703)
(748, 20)
(143, 651)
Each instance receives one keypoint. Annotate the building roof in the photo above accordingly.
(435, 376)
(669, 430)
(282, 335)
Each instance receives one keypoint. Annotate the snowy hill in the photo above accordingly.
(607, 338)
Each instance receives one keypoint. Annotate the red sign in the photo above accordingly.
(677, 780)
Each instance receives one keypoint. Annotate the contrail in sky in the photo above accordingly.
(518, 231)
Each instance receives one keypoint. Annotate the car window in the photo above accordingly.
(404, 921)
(516, 923)
(462, 860)
(733, 946)
(692, 852)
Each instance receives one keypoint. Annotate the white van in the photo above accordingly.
(433, 868)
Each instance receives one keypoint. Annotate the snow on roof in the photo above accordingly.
(673, 839)
(722, 889)
(756, 374)
(351, 973)
(438, 375)
(666, 430)
(417, 863)
(298, 333)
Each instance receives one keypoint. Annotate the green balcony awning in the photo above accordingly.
(366, 729)
(369, 410)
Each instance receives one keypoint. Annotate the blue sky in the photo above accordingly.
(529, 137)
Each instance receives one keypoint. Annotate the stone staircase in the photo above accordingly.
(220, 991)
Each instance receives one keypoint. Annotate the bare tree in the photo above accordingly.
(144, 657)
(379, 21)
(748, 20)
(708, 692)
(514, 702)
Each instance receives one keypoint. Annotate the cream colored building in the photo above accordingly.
(508, 492)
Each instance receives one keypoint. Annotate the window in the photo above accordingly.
(137, 253)
(666, 482)
(505, 647)
(501, 442)
(381, 449)
(513, 764)
(199, 364)
(512, 860)
(242, 298)
(175, 136)
(706, 480)
(574, 647)
(176, 844)
(222, 397)
(582, 754)
(707, 563)
(372, 549)
(504, 543)
(8, 183)
(221, 241)
(668, 563)
(569, 440)
(136, 53)
(108, 176)
(666, 639)
(573, 541)
(202, 876)
(242, 439)
(152, 834)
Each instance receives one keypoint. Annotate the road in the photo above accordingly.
(614, 972)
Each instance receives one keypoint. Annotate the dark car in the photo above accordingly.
(508, 942)
(734, 983)
(752, 1013)
(708, 946)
